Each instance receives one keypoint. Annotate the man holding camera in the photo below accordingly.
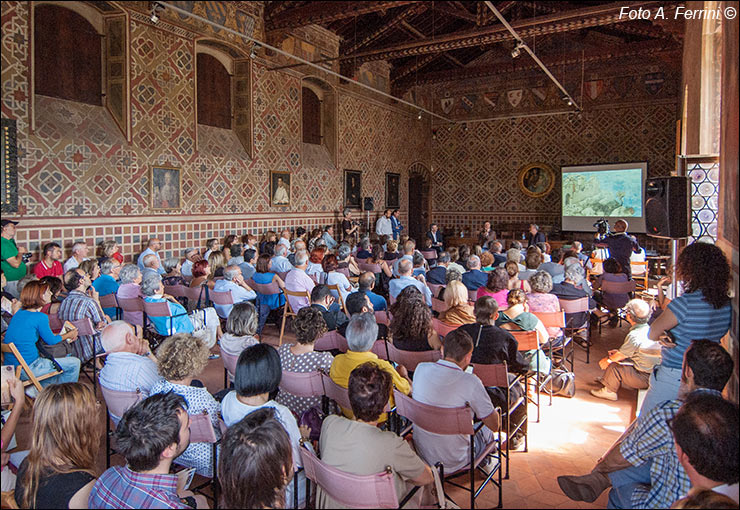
(13, 260)
(620, 245)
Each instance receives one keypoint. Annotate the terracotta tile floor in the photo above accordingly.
(571, 436)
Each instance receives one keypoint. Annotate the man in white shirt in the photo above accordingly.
(405, 269)
(79, 254)
(445, 384)
(298, 281)
(233, 281)
(130, 364)
(285, 238)
(280, 262)
(153, 246)
(191, 257)
(384, 226)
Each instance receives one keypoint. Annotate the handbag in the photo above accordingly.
(313, 419)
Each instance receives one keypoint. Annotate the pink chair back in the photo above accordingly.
(429, 254)
(220, 298)
(410, 359)
(176, 290)
(132, 306)
(473, 295)
(314, 277)
(438, 305)
(381, 317)
(344, 271)
(373, 268)
(438, 420)
(282, 275)
(335, 392)
(158, 309)
(574, 305)
(266, 289)
(55, 323)
(351, 491)
(435, 288)
(442, 328)
(85, 327)
(308, 384)
(608, 287)
(331, 340)
(195, 293)
(229, 361)
(109, 301)
(380, 349)
(492, 375)
(527, 340)
(391, 300)
(118, 402)
(201, 429)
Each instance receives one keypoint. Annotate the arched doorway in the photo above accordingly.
(419, 202)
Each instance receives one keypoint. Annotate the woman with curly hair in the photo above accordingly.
(411, 325)
(180, 359)
(703, 311)
(512, 269)
(300, 357)
(59, 471)
(497, 287)
(458, 310)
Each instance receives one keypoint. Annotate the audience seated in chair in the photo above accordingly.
(518, 317)
(357, 302)
(532, 261)
(359, 447)
(445, 384)
(642, 467)
(408, 254)
(107, 283)
(411, 323)
(255, 464)
(366, 284)
(250, 261)
(458, 309)
(172, 272)
(241, 328)
(280, 262)
(612, 273)
(474, 278)
(361, 334)
(57, 289)
(405, 268)
(152, 248)
(79, 253)
(237, 255)
(540, 300)
(59, 471)
(191, 256)
(233, 282)
(297, 280)
(50, 264)
(130, 289)
(436, 275)
(300, 357)
(217, 261)
(554, 268)
(180, 359)
(635, 350)
(150, 436)
(323, 301)
(497, 287)
(82, 302)
(572, 288)
(513, 270)
(10, 462)
(331, 276)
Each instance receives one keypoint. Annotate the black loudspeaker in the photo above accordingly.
(368, 205)
(668, 207)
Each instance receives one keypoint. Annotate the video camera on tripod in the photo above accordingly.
(602, 227)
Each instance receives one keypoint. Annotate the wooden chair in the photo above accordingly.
(288, 308)
(640, 273)
(528, 341)
(10, 348)
(597, 268)
(335, 288)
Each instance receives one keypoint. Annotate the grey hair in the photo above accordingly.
(150, 283)
(170, 263)
(107, 265)
(574, 273)
(362, 331)
(148, 260)
(187, 251)
(514, 255)
(301, 257)
(30, 277)
(231, 271)
(128, 273)
(496, 247)
(346, 211)
(444, 257)
(281, 250)
(569, 261)
(639, 310)
(452, 274)
(541, 282)
(343, 251)
(365, 243)
(405, 266)
(577, 245)
(78, 246)
(113, 336)
(242, 319)
(473, 261)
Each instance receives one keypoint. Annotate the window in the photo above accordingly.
(311, 116)
(214, 92)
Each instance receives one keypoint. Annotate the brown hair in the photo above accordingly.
(65, 435)
(199, 268)
(308, 325)
(704, 267)
(512, 268)
(329, 263)
(180, 356)
(486, 259)
(516, 297)
(485, 308)
(454, 253)
(217, 260)
(411, 316)
(369, 389)
(317, 254)
(457, 344)
(32, 295)
(263, 263)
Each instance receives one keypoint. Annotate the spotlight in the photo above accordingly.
(419, 116)
(156, 7)
(568, 100)
(517, 49)
(465, 126)
(253, 54)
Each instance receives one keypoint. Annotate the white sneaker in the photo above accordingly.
(489, 465)
(605, 394)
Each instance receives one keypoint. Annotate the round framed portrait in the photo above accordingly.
(536, 179)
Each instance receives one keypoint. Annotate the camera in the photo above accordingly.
(602, 227)
(26, 257)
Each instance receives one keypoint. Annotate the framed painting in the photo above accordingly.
(352, 189)
(536, 179)
(166, 188)
(392, 183)
(279, 189)
(9, 151)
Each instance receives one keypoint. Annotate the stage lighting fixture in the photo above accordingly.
(517, 49)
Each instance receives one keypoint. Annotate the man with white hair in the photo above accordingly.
(280, 262)
(636, 348)
(285, 239)
(405, 269)
(130, 364)
(474, 278)
(192, 255)
(233, 281)
(151, 265)
(298, 245)
(79, 254)
(298, 281)
(572, 288)
(152, 247)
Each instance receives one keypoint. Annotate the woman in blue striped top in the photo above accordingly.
(702, 312)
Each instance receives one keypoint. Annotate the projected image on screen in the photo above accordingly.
(609, 193)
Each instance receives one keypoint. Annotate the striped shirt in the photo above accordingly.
(652, 439)
(697, 320)
(127, 371)
(78, 305)
(120, 487)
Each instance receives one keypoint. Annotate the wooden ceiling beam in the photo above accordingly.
(452, 10)
(419, 63)
(406, 14)
(560, 22)
(325, 12)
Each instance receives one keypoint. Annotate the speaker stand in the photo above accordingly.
(368, 222)
(674, 260)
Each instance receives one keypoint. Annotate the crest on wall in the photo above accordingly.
(594, 88)
(539, 94)
(447, 103)
(468, 102)
(514, 97)
(622, 85)
(654, 82)
(490, 98)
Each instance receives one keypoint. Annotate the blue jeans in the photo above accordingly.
(663, 385)
(70, 370)
(625, 481)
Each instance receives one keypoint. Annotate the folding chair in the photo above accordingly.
(365, 267)
(607, 288)
(410, 359)
(202, 431)
(473, 295)
(331, 340)
(438, 305)
(229, 361)
(344, 271)
(381, 317)
(196, 296)
(435, 288)
(577, 306)
(10, 348)
(380, 349)
(221, 298)
(429, 255)
(442, 328)
(351, 491)
(177, 291)
(288, 308)
(85, 327)
(527, 341)
(116, 404)
(263, 289)
(131, 306)
(454, 421)
(497, 376)
(335, 288)
(597, 268)
(640, 273)
(282, 275)
(557, 320)
(332, 391)
(302, 384)
(110, 301)
(160, 309)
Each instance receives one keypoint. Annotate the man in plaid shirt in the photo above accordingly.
(642, 467)
(150, 435)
